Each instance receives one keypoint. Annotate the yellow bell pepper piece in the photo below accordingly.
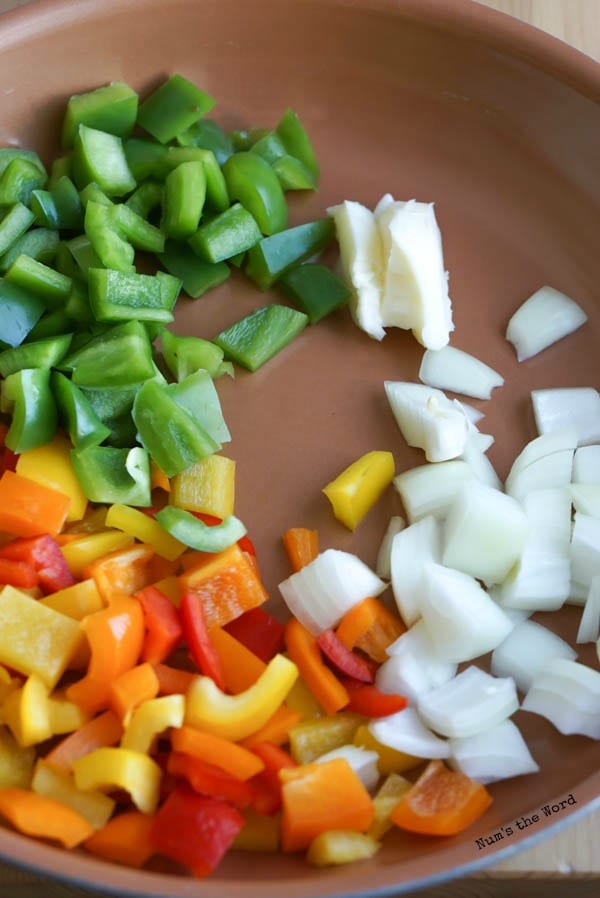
(390, 760)
(51, 466)
(26, 712)
(16, 762)
(121, 768)
(7, 683)
(75, 601)
(150, 719)
(170, 587)
(83, 551)
(237, 716)
(135, 523)
(95, 806)
(208, 486)
(301, 699)
(260, 832)
(35, 639)
(354, 492)
(65, 716)
(384, 803)
(340, 846)
(313, 738)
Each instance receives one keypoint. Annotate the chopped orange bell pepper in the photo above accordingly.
(37, 815)
(301, 545)
(31, 509)
(88, 547)
(123, 572)
(102, 731)
(241, 667)
(51, 466)
(125, 839)
(215, 750)
(305, 653)
(277, 728)
(131, 688)
(172, 680)
(371, 627)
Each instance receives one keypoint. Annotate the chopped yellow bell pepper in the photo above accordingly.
(384, 802)
(8, 683)
(390, 760)
(65, 716)
(313, 738)
(88, 548)
(135, 523)
(75, 601)
(152, 718)
(354, 492)
(16, 762)
(35, 639)
(341, 846)
(51, 466)
(237, 716)
(301, 699)
(207, 486)
(260, 832)
(92, 804)
(121, 768)
(170, 587)
(26, 712)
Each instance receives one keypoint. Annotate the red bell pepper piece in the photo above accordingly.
(346, 661)
(369, 700)
(163, 627)
(194, 830)
(44, 554)
(208, 779)
(259, 631)
(197, 638)
(267, 784)
(18, 573)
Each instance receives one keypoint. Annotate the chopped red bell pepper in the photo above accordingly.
(267, 784)
(347, 662)
(43, 554)
(259, 631)
(18, 573)
(197, 638)
(194, 830)
(163, 627)
(369, 700)
(208, 779)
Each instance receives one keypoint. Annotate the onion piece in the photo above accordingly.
(473, 415)
(586, 465)
(384, 555)
(546, 444)
(453, 369)
(413, 667)
(586, 498)
(492, 755)
(526, 651)
(485, 532)
(578, 594)
(577, 407)
(470, 703)
(481, 466)
(589, 625)
(363, 762)
(406, 732)
(543, 319)
(431, 489)
(428, 420)
(461, 619)
(567, 693)
(585, 548)
(325, 589)
(553, 470)
(412, 548)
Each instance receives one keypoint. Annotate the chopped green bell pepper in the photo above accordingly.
(185, 193)
(217, 196)
(173, 108)
(76, 414)
(186, 355)
(20, 311)
(99, 157)
(84, 254)
(145, 158)
(60, 166)
(18, 181)
(255, 339)
(68, 204)
(208, 135)
(113, 476)
(293, 174)
(15, 221)
(117, 296)
(39, 243)
(146, 198)
(113, 408)
(27, 397)
(119, 357)
(91, 193)
(273, 256)
(35, 277)
(226, 235)
(252, 181)
(196, 275)
(37, 354)
(52, 324)
(194, 533)
(196, 393)
(293, 134)
(7, 154)
(139, 232)
(315, 289)
(111, 108)
(109, 245)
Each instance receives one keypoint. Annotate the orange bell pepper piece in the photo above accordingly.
(301, 545)
(116, 636)
(304, 651)
(125, 839)
(38, 815)
(28, 508)
(321, 796)
(131, 688)
(101, 732)
(442, 802)
(172, 680)
(123, 572)
(371, 627)
(241, 667)
(216, 750)
(276, 730)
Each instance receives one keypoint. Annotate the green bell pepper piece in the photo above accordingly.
(68, 204)
(270, 147)
(185, 193)
(119, 357)
(315, 289)
(145, 158)
(91, 193)
(44, 209)
(76, 414)
(208, 135)
(39, 243)
(116, 296)
(186, 355)
(84, 254)
(255, 339)
(194, 533)
(99, 157)
(36, 354)
(65, 264)
(113, 408)
(252, 181)
(293, 174)
(197, 394)
(15, 221)
(108, 244)
(245, 139)
(52, 324)
(113, 476)
(217, 196)
(27, 397)
(60, 166)
(196, 275)
(18, 181)
(173, 108)
(226, 235)
(293, 135)
(146, 198)
(174, 439)
(50, 285)
(7, 154)
(139, 232)
(273, 256)
(112, 108)
(20, 311)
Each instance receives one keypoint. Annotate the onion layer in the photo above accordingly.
(470, 703)
(452, 369)
(547, 316)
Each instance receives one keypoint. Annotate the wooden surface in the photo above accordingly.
(569, 863)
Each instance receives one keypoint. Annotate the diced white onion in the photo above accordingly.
(589, 626)
(568, 695)
(406, 732)
(586, 498)
(577, 407)
(585, 548)
(325, 589)
(362, 761)
(413, 667)
(383, 565)
(412, 548)
(453, 369)
(526, 651)
(461, 619)
(473, 415)
(494, 754)
(485, 532)
(578, 594)
(470, 703)
(550, 471)
(481, 466)
(428, 420)
(431, 489)
(547, 316)
(545, 444)
(586, 465)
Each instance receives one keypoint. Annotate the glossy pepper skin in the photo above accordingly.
(251, 180)
(28, 395)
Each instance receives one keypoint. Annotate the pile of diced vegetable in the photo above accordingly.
(150, 705)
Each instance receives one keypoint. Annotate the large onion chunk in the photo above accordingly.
(526, 651)
(585, 548)
(543, 319)
(492, 755)
(562, 407)
(406, 732)
(470, 703)
(589, 625)
(586, 465)
(412, 548)
(431, 489)
(453, 369)
(413, 667)
(428, 420)
(567, 693)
